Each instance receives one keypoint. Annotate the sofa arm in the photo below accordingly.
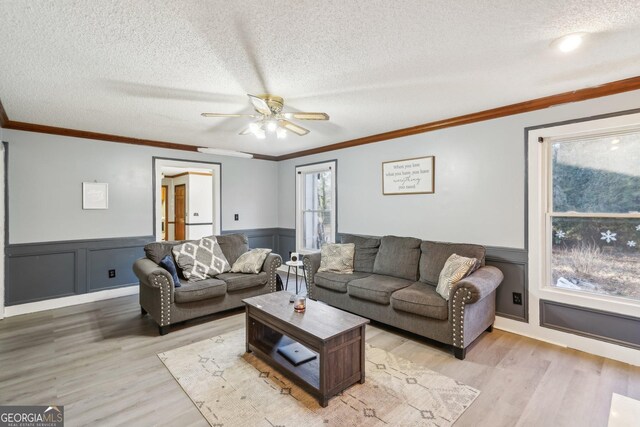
(479, 284)
(148, 272)
(270, 266)
(311, 264)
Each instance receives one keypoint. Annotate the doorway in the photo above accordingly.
(187, 199)
(179, 197)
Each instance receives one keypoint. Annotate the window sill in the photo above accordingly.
(596, 301)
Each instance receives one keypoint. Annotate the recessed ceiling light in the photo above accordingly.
(568, 43)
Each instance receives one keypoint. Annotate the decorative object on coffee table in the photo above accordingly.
(335, 336)
(300, 303)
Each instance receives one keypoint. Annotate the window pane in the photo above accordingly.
(316, 229)
(317, 210)
(597, 255)
(597, 175)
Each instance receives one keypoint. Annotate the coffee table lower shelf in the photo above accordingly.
(338, 365)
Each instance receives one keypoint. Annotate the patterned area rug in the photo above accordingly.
(232, 388)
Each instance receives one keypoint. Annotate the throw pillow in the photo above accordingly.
(337, 258)
(201, 259)
(168, 264)
(455, 269)
(250, 262)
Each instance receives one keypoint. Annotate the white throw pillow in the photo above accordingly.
(200, 259)
(250, 262)
(455, 269)
(337, 257)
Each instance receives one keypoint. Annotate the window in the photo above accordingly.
(315, 205)
(592, 214)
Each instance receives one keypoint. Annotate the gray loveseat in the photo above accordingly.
(394, 282)
(168, 305)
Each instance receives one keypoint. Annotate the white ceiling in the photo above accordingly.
(147, 69)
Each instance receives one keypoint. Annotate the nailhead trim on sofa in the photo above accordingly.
(460, 297)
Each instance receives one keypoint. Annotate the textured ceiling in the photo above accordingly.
(147, 69)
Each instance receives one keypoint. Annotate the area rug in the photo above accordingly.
(234, 388)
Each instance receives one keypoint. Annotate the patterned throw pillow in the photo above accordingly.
(200, 259)
(337, 258)
(455, 269)
(250, 262)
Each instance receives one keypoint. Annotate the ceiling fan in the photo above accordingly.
(270, 117)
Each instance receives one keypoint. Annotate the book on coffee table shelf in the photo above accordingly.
(296, 353)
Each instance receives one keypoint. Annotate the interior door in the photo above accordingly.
(180, 211)
(165, 213)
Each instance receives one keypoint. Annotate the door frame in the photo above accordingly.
(216, 169)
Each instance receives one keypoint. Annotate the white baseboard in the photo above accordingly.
(33, 307)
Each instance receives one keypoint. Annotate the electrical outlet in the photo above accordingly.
(236, 217)
(517, 298)
(112, 274)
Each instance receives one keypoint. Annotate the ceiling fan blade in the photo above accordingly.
(307, 116)
(225, 115)
(293, 127)
(260, 105)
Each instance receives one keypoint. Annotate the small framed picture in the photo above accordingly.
(95, 195)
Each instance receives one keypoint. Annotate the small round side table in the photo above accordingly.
(296, 265)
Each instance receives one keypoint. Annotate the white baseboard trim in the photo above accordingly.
(567, 340)
(33, 307)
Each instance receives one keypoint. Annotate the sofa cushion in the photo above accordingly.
(366, 251)
(337, 257)
(398, 257)
(435, 255)
(200, 259)
(336, 281)
(155, 251)
(200, 290)
(376, 288)
(233, 245)
(250, 262)
(422, 299)
(240, 281)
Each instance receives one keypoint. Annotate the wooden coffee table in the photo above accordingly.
(335, 336)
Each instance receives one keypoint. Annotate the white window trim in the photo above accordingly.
(316, 167)
(539, 221)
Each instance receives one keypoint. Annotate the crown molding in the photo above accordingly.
(606, 89)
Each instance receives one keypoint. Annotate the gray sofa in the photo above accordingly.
(394, 282)
(168, 305)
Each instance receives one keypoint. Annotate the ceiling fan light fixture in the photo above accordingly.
(223, 152)
(272, 125)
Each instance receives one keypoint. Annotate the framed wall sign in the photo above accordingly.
(95, 195)
(409, 176)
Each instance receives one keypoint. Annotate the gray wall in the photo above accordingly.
(45, 188)
(57, 249)
(479, 188)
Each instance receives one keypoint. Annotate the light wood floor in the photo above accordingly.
(99, 361)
